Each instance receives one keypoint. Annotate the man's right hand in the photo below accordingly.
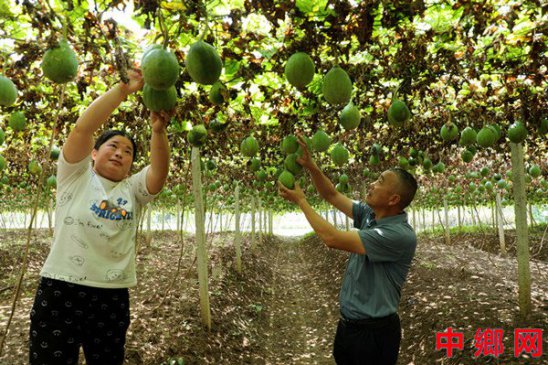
(306, 159)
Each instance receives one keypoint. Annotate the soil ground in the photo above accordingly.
(283, 307)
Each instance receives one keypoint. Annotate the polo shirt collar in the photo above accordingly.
(398, 218)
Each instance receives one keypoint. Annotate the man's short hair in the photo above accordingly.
(407, 186)
(106, 135)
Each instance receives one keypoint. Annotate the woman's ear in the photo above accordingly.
(93, 154)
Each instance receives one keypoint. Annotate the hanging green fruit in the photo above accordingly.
(158, 100)
(218, 93)
(321, 141)
(287, 179)
(350, 116)
(486, 137)
(203, 63)
(449, 132)
(339, 155)
(60, 63)
(398, 113)
(3, 163)
(337, 86)
(291, 164)
(374, 160)
(8, 91)
(467, 155)
(160, 69)
(517, 132)
(18, 121)
(467, 137)
(289, 144)
(217, 126)
(197, 136)
(249, 146)
(299, 70)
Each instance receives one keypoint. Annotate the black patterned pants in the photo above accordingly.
(66, 316)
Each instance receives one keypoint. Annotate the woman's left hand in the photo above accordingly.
(135, 82)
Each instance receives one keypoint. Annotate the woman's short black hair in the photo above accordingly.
(106, 135)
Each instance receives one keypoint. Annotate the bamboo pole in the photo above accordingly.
(522, 238)
(253, 243)
(531, 217)
(149, 225)
(260, 214)
(237, 233)
(50, 216)
(500, 225)
(447, 231)
(202, 259)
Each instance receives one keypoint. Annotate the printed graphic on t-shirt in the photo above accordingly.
(115, 212)
(65, 198)
(77, 260)
(115, 274)
(79, 241)
(111, 211)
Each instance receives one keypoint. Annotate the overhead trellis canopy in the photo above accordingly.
(469, 62)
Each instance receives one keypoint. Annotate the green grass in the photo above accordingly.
(309, 234)
(475, 229)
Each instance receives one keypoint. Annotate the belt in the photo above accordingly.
(369, 322)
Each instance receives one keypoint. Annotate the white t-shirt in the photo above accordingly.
(96, 224)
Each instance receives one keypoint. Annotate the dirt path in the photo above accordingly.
(283, 308)
(303, 313)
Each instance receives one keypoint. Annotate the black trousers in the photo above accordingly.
(66, 316)
(368, 341)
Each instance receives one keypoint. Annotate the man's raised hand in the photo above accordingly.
(294, 195)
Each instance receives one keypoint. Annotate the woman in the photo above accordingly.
(83, 298)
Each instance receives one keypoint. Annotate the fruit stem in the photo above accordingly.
(395, 92)
(64, 21)
(163, 28)
(206, 30)
(200, 117)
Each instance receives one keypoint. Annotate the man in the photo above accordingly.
(381, 250)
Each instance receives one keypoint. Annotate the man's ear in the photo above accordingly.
(394, 199)
(93, 154)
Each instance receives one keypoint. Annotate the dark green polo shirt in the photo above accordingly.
(372, 282)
